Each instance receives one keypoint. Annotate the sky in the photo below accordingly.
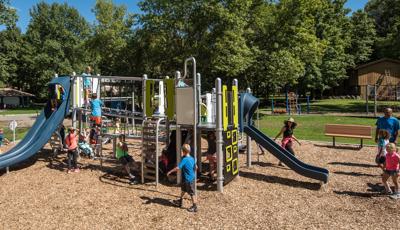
(85, 8)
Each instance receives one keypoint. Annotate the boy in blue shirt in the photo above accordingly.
(188, 167)
(95, 105)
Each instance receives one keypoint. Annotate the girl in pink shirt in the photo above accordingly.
(392, 163)
(72, 143)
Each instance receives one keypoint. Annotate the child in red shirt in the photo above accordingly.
(392, 164)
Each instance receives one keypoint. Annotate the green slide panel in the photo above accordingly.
(149, 98)
(170, 107)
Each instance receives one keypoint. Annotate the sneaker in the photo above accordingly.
(192, 209)
(133, 181)
(69, 171)
(178, 202)
(76, 170)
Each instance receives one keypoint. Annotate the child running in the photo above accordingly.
(391, 169)
(383, 141)
(188, 167)
(288, 136)
(125, 159)
(72, 144)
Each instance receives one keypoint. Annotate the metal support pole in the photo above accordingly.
(272, 104)
(366, 98)
(74, 105)
(220, 141)
(248, 140)
(375, 98)
(178, 152)
(287, 100)
(7, 170)
(308, 104)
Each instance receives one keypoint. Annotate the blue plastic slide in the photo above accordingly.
(43, 128)
(248, 106)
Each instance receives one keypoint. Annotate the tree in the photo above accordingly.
(387, 22)
(54, 44)
(109, 44)
(9, 38)
(363, 36)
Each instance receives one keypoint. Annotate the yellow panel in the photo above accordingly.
(225, 119)
(228, 135)
(235, 166)
(234, 136)
(229, 154)
(235, 109)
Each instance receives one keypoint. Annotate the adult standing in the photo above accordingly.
(390, 123)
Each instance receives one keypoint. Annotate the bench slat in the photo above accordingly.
(344, 135)
(348, 130)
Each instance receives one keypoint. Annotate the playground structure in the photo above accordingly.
(292, 104)
(178, 107)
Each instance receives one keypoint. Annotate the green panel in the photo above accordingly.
(170, 106)
(225, 118)
(149, 98)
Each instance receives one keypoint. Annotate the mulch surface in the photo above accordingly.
(40, 194)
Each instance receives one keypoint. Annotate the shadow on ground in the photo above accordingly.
(281, 180)
(353, 164)
(346, 147)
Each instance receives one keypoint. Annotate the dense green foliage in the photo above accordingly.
(308, 44)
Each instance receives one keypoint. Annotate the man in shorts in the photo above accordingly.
(390, 123)
(188, 167)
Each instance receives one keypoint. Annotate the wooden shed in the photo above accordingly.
(12, 98)
(384, 73)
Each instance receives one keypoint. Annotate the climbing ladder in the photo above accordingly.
(152, 135)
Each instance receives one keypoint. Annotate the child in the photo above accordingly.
(212, 153)
(391, 169)
(383, 141)
(53, 97)
(188, 167)
(125, 159)
(96, 105)
(94, 135)
(288, 137)
(72, 143)
(3, 139)
(87, 83)
(84, 147)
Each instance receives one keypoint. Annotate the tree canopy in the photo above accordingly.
(307, 44)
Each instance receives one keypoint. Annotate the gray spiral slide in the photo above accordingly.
(43, 128)
(248, 105)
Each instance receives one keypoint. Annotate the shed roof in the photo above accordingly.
(9, 92)
(378, 61)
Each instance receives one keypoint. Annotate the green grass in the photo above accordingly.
(20, 133)
(339, 105)
(311, 127)
(20, 111)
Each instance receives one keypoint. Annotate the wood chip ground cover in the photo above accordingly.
(40, 194)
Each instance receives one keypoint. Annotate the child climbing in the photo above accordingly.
(288, 136)
(53, 96)
(383, 141)
(87, 83)
(125, 159)
(391, 169)
(212, 153)
(95, 105)
(72, 144)
(188, 167)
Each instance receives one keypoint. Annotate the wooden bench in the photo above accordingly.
(351, 131)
